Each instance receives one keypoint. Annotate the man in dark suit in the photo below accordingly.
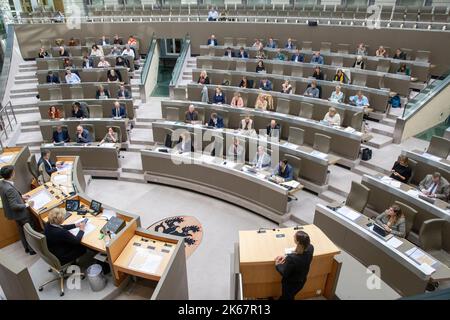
(215, 121)
(191, 115)
(273, 129)
(265, 84)
(60, 135)
(83, 135)
(212, 41)
(242, 53)
(118, 111)
(14, 205)
(229, 53)
(297, 56)
(123, 93)
(103, 41)
(50, 166)
(52, 78)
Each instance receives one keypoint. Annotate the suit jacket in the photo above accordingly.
(288, 173)
(271, 132)
(53, 79)
(300, 57)
(267, 86)
(121, 113)
(13, 205)
(61, 242)
(212, 42)
(226, 54)
(219, 123)
(91, 63)
(100, 42)
(85, 137)
(65, 136)
(243, 55)
(442, 189)
(191, 116)
(49, 168)
(125, 94)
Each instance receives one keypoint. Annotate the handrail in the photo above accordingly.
(180, 61)
(6, 61)
(7, 117)
(148, 59)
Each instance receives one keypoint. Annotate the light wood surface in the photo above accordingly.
(9, 152)
(257, 252)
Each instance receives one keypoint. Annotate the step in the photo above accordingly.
(379, 141)
(24, 81)
(132, 170)
(24, 88)
(389, 122)
(364, 169)
(142, 125)
(26, 110)
(25, 102)
(27, 64)
(131, 177)
(23, 95)
(135, 147)
(32, 128)
(330, 197)
(25, 75)
(382, 129)
(28, 69)
(372, 167)
(30, 139)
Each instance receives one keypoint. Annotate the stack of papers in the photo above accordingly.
(108, 214)
(108, 145)
(390, 181)
(65, 166)
(60, 179)
(41, 198)
(349, 129)
(413, 192)
(424, 260)
(145, 261)
(348, 213)
(394, 242)
(319, 154)
(88, 228)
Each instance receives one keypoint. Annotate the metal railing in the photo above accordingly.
(148, 59)
(7, 121)
(179, 65)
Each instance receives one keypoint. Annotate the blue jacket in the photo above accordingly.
(85, 137)
(214, 42)
(288, 173)
(64, 136)
(219, 99)
(244, 55)
(219, 123)
(122, 113)
(267, 86)
(301, 58)
(317, 59)
(52, 79)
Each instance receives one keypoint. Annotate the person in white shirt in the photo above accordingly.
(103, 63)
(332, 117)
(337, 95)
(127, 51)
(213, 14)
(262, 158)
(96, 51)
(72, 78)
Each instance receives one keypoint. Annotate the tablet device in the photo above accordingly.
(95, 206)
(72, 205)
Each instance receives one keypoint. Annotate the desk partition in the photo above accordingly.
(64, 90)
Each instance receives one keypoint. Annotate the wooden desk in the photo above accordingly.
(257, 252)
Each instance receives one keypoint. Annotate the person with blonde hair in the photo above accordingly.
(60, 241)
(237, 100)
(332, 117)
(261, 102)
(203, 78)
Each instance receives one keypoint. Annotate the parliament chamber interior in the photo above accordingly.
(225, 150)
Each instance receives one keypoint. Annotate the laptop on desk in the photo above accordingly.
(379, 231)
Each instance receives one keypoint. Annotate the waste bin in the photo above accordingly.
(95, 277)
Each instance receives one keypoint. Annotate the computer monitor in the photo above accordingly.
(72, 205)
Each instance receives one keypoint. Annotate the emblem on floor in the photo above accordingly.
(183, 226)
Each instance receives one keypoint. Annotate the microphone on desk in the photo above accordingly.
(262, 230)
(298, 227)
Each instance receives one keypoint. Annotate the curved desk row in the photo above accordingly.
(80, 91)
(77, 60)
(86, 75)
(99, 108)
(350, 115)
(420, 69)
(393, 257)
(85, 50)
(209, 175)
(372, 79)
(427, 164)
(343, 143)
(378, 99)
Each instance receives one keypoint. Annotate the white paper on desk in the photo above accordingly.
(348, 213)
(207, 159)
(229, 164)
(261, 175)
(386, 179)
(60, 179)
(413, 192)
(145, 261)
(65, 166)
(394, 242)
(7, 158)
(290, 145)
(289, 250)
(319, 154)
(431, 157)
(292, 184)
(87, 229)
(425, 268)
(41, 198)
(420, 256)
(395, 183)
(349, 129)
(108, 145)
(108, 213)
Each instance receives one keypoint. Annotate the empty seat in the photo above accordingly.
(296, 135)
(76, 93)
(283, 106)
(32, 166)
(440, 147)
(306, 46)
(383, 65)
(337, 61)
(430, 234)
(278, 68)
(322, 143)
(358, 197)
(55, 93)
(325, 47)
(96, 111)
(359, 79)
(306, 110)
(241, 66)
(179, 93)
(342, 47)
(52, 64)
(297, 71)
(412, 164)
(241, 42)
(357, 119)
(228, 41)
(423, 56)
(172, 114)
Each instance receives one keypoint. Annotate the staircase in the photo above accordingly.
(186, 76)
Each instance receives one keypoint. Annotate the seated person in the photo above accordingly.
(312, 90)
(67, 63)
(52, 77)
(361, 50)
(260, 67)
(381, 52)
(360, 100)
(261, 102)
(236, 151)
(203, 78)
(317, 58)
(280, 55)
(271, 44)
(401, 171)
(340, 76)
(229, 53)
(117, 40)
(219, 96)
(404, 69)
(123, 93)
(261, 159)
(273, 129)
(60, 241)
(212, 14)
(265, 84)
(72, 42)
(284, 171)
(72, 78)
(116, 51)
(113, 76)
(43, 53)
(88, 62)
(258, 45)
(118, 111)
(215, 121)
(393, 221)
(185, 143)
(237, 100)
(191, 115)
(78, 111)
(242, 53)
(102, 93)
(96, 51)
(132, 41)
(244, 83)
(212, 41)
(297, 56)
(317, 74)
(83, 135)
(337, 95)
(260, 54)
(359, 63)
(435, 186)
(286, 87)
(103, 63)
(246, 124)
(290, 44)
(110, 137)
(103, 41)
(60, 135)
(122, 62)
(332, 117)
(128, 51)
(49, 165)
(63, 52)
(294, 267)
(399, 54)
(54, 113)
